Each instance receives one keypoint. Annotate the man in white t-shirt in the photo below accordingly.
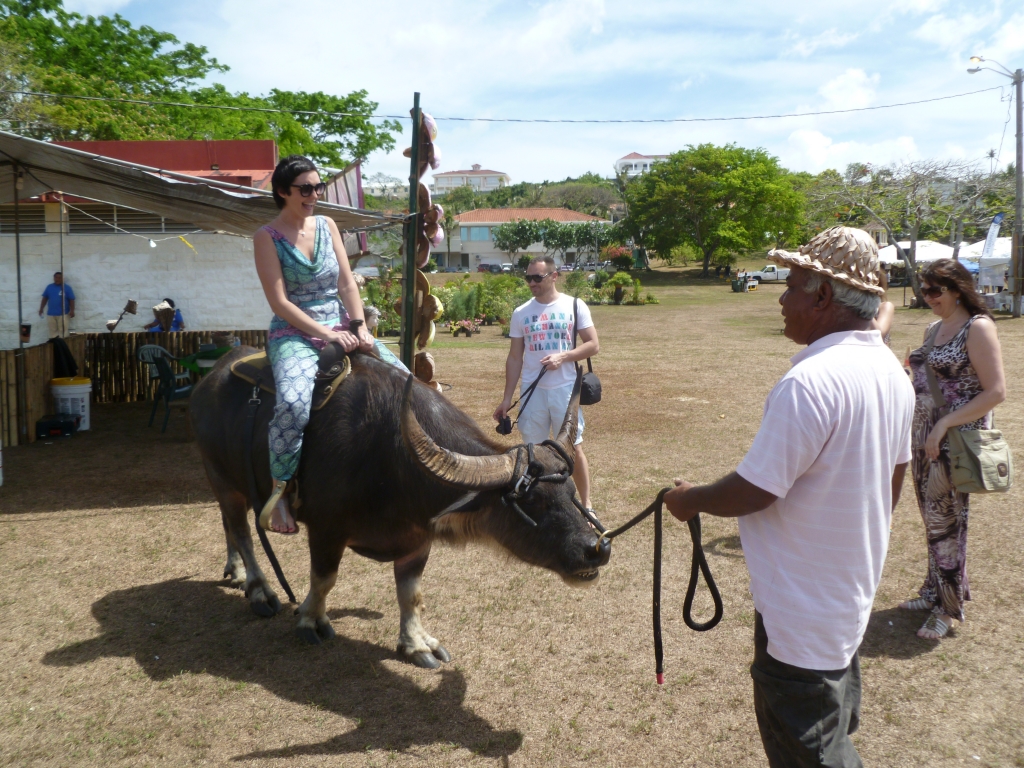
(542, 339)
(814, 497)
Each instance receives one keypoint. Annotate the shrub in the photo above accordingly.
(500, 295)
(623, 263)
(600, 278)
(383, 293)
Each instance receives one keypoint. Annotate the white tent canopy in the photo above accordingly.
(207, 203)
(927, 251)
(1000, 253)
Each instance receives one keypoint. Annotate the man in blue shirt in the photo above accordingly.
(56, 319)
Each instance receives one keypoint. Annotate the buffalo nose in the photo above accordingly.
(603, 551)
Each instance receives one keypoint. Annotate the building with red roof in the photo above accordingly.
(473, 241)
(634, 163)
(479, 179)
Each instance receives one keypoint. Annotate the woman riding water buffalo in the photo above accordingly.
(301, 262)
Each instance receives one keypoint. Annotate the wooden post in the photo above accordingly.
(409, 273)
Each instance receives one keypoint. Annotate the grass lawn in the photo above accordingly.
(120, 645)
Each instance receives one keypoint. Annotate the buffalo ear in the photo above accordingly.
(468, 502)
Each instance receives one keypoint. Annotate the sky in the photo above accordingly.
(608, 60)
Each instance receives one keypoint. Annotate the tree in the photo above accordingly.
(913, 199)
(515, 236)
(65, 53)
(589, 237)
(557, 237)
(714, 198)
(595, 199)
(459, 200)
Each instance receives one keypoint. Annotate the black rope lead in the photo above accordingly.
(698, 565)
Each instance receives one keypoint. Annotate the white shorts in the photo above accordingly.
(542, 417)
(58, 326)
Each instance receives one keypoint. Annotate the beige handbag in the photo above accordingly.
(979, 459)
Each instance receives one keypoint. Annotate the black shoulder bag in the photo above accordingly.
(590, 392)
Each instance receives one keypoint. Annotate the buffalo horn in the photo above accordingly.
(566, 437)
(470, 472)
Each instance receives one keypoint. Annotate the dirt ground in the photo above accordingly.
(120, 644)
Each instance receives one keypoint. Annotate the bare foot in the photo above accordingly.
(281, 520)
(937, 626)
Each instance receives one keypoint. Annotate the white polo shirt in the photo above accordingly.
(834, 428)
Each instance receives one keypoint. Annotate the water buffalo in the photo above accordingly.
(388, 466)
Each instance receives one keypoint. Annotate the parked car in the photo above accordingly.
(508, 268)
(483, 267)
(770, 274)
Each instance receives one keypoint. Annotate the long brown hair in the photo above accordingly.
(955, 277)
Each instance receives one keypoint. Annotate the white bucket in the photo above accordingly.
(71, 395)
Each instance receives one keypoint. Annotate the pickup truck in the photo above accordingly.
(770, 274)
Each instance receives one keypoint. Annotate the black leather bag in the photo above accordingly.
(590, 390)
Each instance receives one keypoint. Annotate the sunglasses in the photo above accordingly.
(308, 189)
(537, 278)
(933, 291)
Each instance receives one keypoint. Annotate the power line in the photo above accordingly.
(271, 110)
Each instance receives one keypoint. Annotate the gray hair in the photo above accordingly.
(863, 304)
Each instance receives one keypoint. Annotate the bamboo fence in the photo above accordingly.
(37, 362)
(109, 359)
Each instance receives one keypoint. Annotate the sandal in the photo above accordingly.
(277, 498)
(918, 604)
(934, 624)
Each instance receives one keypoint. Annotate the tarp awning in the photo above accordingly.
(204, 202)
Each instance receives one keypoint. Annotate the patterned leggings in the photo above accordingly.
(294, 359)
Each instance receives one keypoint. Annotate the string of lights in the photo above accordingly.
(271, 110)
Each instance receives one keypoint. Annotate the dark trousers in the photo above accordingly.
(805, 716)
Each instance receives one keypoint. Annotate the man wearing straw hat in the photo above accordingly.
(814, 498)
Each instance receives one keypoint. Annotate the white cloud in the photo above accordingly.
(851, 90)
(811, 150)
(95, 7)
(953, 33)
(1008, 40)
(830, 40)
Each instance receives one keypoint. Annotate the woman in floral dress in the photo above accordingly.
(297, 259)
(968, 367)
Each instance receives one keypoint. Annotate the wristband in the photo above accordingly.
(354, 326)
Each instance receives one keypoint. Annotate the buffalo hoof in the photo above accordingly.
(325, 630)
(267, 608)
(441, 654)
(235, 571)
(424, 659)
(308, 635)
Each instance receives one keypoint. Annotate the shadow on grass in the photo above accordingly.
(183, 626)
(892, 632)
(725, 546)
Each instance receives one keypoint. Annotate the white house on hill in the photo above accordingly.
(473, 241)
(634, 163)
(481, 180)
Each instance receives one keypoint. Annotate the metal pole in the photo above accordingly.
(63, 301)
(20, 357)
(1018, 254)
(409, 271)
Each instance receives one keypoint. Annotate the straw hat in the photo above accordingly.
(842, 253)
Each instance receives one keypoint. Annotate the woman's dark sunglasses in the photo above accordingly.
(537, 278)
(308, 189)
(934, 291)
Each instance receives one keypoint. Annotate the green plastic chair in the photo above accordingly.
(170, 387)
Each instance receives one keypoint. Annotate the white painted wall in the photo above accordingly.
(215, 289)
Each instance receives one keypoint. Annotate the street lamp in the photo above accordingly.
(1018, 255)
